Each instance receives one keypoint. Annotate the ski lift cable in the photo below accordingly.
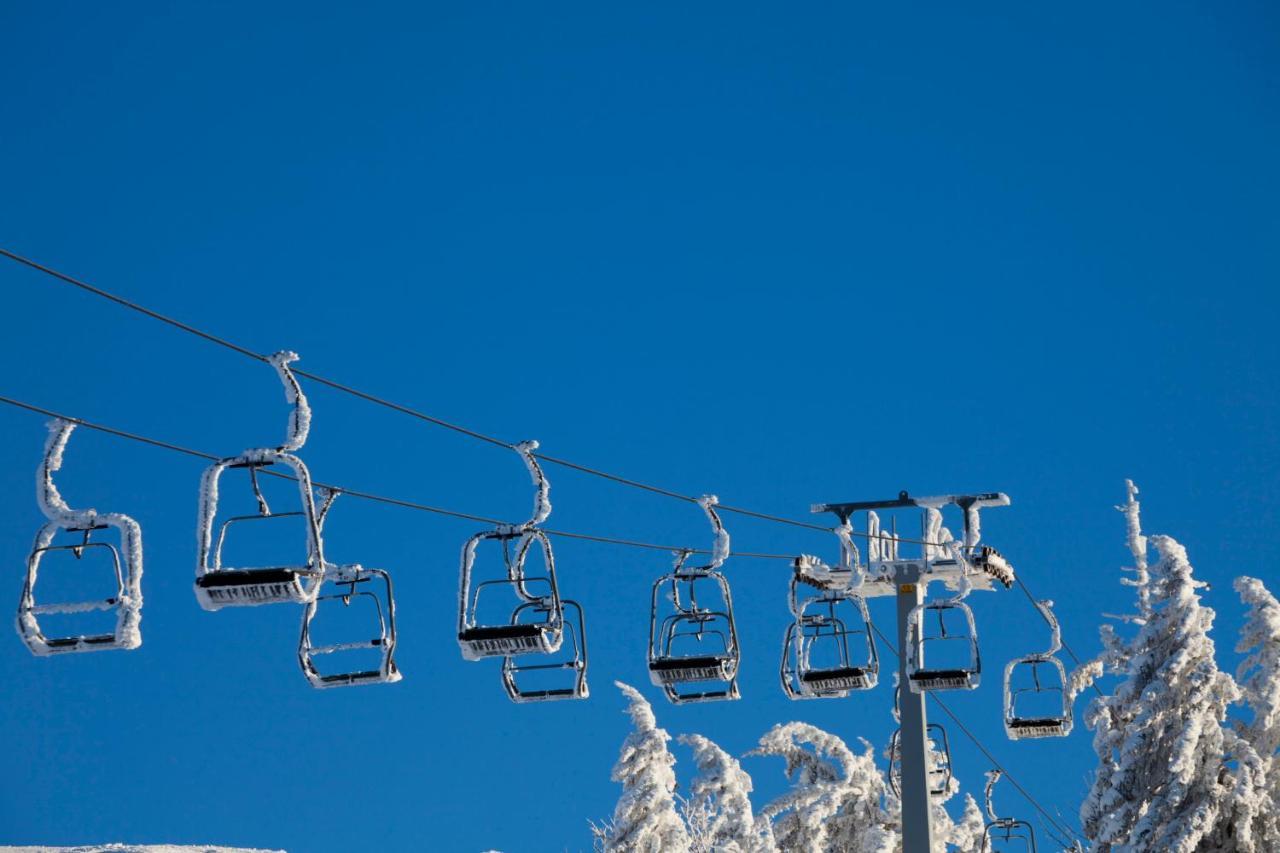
(1053, 821)
(381, 401)
(370, 496)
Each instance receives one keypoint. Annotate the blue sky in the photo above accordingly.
(785, 255)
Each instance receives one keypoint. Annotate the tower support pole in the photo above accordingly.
(913, 743)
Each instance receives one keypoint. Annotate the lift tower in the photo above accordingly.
(961, 566)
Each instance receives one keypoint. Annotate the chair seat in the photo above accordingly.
(705, 696)
(63, 643)
(839, 678)
(670, 670)
(249, 587)
(505, 640)
(935, 679)
(1036, 727)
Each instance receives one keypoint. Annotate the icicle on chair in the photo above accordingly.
(219, 586)
(687, 623)
(356, 586)
(525, 677)
(1004, 834)
(1036, 701)
(833, 627)
(480, 637)
(125, 564)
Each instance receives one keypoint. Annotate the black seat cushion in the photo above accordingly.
(831, 674)
(245, 577)
(702, 662)
(930, 674)
(501, 632)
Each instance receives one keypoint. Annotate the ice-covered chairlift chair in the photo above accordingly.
(125, 560)
(688, 622)
(572, 659)
(939, 773)
(1005, 834)
(358, 582)
(832, 619)
(954, 625)
(1038, 681)
(219, 586)
(479, 639)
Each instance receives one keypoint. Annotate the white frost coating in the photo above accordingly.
(1256, 742)
(972, 526)
(934, 548)
(1083, 677)
(47, 495)
(848, 575)
(542, 486)
(1163, 780)
(719, 550)
(837, 802)
(300, 417)
(128, 598)
(1138, 547)
(718, 811)
(645, 819)
(1259, 672)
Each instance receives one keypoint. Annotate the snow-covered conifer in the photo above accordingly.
(645, 819)
(1162, 781)
(1259, 678)
(836, 802)
(718, 811)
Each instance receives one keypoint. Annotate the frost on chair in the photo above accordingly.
(218, 585)
(1005, 834)
(829, 650)
(940, 761)
(532, 679)
(1036, 698)
(480, 637)
(358, 587)
(125, 563)
(690, 644)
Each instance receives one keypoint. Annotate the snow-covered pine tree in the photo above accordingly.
(1259, 678)
(836, 802)
(718, 811)
(645, 819)
(1163, 781)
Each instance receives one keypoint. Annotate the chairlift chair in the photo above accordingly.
(219, 586)
(480, 639)
(954, 627)
(125, 562)
(574, 662)
(1004, 834)
(355, 586)
(834, 623)
(687, 622)
(1036, 699)
(939, 774)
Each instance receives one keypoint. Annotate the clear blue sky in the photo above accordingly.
(786, 255)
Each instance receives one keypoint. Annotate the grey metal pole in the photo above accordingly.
(913, 744)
